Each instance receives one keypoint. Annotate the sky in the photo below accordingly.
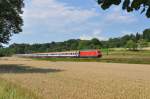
(58, 20)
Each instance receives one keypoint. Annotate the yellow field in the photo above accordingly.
(78, 80)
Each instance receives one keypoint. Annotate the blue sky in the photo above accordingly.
(59, 20)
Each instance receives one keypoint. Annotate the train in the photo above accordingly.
(71, 54)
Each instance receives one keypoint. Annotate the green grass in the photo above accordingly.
(70, 59)
(12, 91)
(123, 56)
(114, 56)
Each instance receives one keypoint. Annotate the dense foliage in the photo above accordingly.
(73, 44)
(10, 19)
(132, 42)
(129, 5)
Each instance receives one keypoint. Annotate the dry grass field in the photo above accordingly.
(78, 80)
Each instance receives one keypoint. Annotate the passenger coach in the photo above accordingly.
(73, 54)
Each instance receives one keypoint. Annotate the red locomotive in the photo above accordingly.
(75, 54)
(90, 53)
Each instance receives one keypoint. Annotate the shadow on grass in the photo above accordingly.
(12, 68)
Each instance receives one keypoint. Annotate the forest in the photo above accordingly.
(131, 42)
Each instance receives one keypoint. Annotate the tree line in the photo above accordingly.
(129, 41)
(132, 42)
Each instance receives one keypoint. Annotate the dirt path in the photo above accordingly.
(78, 80)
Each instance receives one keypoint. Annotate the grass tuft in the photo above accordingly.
(12, 91)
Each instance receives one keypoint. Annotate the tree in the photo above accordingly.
(114, 42)
(96, 43)
(10, 18)
(142, 43)
(131, 45)
(146, 34)
(84, 44)
(124, 39)
(129, 5)
(138, 36)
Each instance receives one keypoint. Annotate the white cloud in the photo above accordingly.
(57, 17)
(127, 33)
(95, 34)
(117, 16)
(58, 11)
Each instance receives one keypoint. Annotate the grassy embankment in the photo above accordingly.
(123, 56)
(114, 56)
(13, 91)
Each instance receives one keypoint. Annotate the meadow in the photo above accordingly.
(75, 80)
